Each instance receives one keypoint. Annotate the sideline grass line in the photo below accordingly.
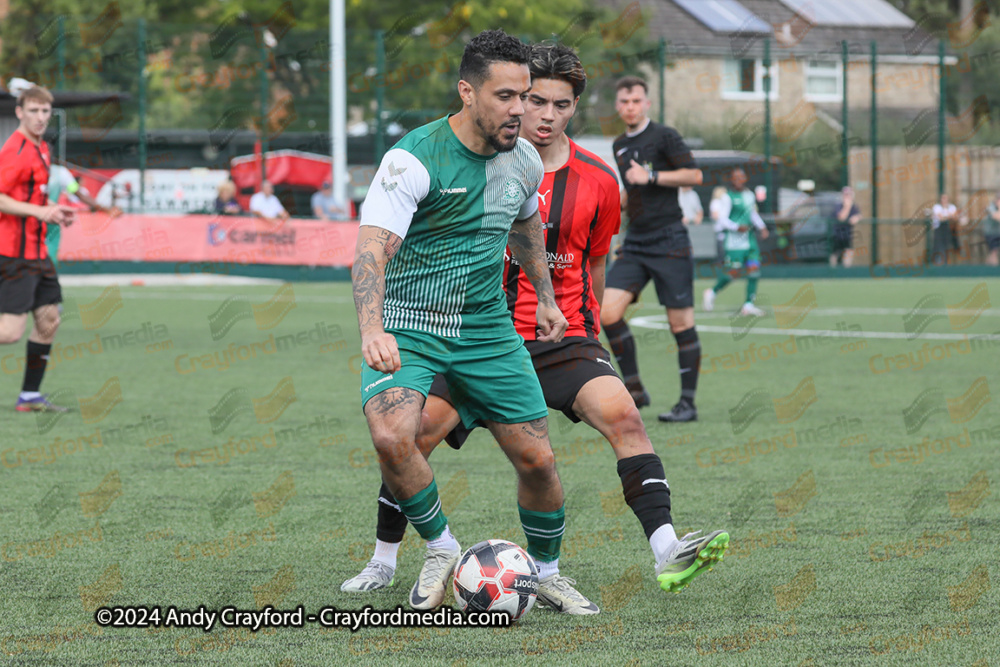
(659, 322)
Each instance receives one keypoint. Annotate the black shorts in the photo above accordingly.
(672, 274)
(27, 284)
(993, 242)
(563, 369)
(842, 239)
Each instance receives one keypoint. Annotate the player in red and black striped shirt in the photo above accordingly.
(28, 281)
(580, 208)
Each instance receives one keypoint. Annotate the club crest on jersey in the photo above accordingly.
(511, 189)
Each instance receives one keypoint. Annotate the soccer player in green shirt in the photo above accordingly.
(737, 213)
(427, 279)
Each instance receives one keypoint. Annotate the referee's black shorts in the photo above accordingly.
(27, 284)
(672, 274)
(563, 369)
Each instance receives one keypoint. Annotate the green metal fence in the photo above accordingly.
(224, 90)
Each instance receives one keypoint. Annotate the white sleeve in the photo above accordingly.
(755, 218)
(537, 174)
(529, 207)
(255, 203)
(400, 184)
(725, 208)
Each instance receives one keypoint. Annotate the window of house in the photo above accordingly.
(743, 79)
(824, 80)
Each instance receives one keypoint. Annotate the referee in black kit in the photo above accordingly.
(654, 162)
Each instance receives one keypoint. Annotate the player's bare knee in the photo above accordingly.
(47, 326)
(391, 445)
(11, 334)
(537, 463)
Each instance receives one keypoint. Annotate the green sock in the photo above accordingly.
(751, 288)
(724, 280)
(544, 531)
(423, 510)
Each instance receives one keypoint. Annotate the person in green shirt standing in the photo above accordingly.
(61, 180)
(991, 230)
(737, 214)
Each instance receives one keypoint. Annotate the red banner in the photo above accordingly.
(205, 238)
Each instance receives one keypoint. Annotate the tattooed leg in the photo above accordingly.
(393, 419)
(527, 446)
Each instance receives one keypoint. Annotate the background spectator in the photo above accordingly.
(690, 204)
(715, 212)
(326, 206)
(266, 205)
(842, 241)
(991, 229)
(225, 203)
(946, 213)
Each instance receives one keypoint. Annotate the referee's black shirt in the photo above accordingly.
(655, 218)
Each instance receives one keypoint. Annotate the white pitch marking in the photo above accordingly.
(652, 322)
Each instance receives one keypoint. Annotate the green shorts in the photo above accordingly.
(489, 380)
(740, 259)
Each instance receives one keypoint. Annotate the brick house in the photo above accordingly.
(717, 48)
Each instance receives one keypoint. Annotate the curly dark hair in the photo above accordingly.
(551, 60)
(486, 48)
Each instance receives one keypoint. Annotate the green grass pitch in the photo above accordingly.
(217, 455)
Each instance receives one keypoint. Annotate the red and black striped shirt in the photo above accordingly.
(24, 177)
(580, 205)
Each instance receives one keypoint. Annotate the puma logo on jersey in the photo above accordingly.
(543, 196)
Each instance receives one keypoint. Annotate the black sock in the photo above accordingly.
(391, 520)
(623, 346)
(689, 362)
(34, 369)
(646, 491)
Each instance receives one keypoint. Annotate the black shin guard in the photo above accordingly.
(689, 362)
(646, 490)
(391, 520)
(623, 346)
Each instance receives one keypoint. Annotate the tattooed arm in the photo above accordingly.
(375, 248)
(527, 246)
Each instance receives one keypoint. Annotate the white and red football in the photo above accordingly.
(496, 575)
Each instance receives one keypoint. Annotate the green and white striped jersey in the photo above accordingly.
(453, 209)
(739, 209)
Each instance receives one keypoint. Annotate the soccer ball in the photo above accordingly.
(496, 575)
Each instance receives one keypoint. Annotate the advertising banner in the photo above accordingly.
(208, 238)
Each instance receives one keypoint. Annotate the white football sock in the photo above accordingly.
(663, 540)
(546, 570)
(30, 395)
(444, 541)
(385, 552)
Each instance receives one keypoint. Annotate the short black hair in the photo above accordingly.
(630, 82)
(486, 48)
(551, 60)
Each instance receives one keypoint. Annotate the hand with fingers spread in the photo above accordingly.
(381, 352)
